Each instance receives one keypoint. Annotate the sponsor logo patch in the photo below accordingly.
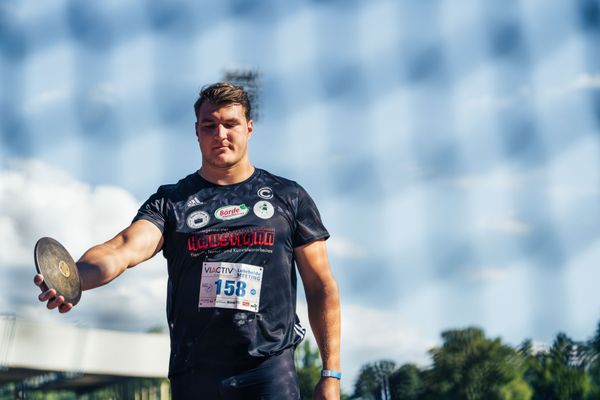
(198, 219)
(231, 212)
(263, 209)
(265, 193)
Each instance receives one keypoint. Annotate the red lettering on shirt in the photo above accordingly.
(240, 238)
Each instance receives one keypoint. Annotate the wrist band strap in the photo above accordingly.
(328, 373)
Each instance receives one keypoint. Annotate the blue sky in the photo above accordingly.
(453, 150)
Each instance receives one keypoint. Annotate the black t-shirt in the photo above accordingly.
(232, 283)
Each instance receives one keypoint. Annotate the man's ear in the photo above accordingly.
(250, 128)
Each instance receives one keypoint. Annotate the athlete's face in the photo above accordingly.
(223, 133)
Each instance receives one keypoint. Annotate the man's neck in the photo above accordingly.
(226, 176)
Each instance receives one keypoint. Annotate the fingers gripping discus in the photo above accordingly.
(60, 273)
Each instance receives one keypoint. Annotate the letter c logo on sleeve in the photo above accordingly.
(265, 193)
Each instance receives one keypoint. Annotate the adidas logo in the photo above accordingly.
(193, 202)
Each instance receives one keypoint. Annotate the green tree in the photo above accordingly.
(468, 366)
(308, 367)
(593, 359)
(373, 381)
(558, 373)
(406, 383)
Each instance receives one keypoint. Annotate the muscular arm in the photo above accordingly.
(104, 262)
(323, 310)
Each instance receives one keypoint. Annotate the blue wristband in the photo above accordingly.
(327, 373)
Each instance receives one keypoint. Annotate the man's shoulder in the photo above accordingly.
(185, 184)
(268, 177)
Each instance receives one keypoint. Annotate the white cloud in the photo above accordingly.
(489, 195)
(491, 101)
(370, 334)
(345, 249)
(584, 82)
(486, 274)
(105, 93)
(573, 174)
(38, 200)
(581, 82)
(498, 101)
(580, 279)
(570, 192)
(13, 252)
(500, 179)
(507, 224)
(373, 334)
(45, 99)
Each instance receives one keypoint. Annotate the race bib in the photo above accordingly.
(230, 285)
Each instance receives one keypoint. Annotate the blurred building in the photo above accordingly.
(45, 361)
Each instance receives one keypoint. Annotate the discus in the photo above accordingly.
(60, 273)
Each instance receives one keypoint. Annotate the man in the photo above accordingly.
(231, 234)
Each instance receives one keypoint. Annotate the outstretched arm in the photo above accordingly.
(323, 311)
(104, 262)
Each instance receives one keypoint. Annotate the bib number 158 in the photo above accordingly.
(235, 286)
(229, 287)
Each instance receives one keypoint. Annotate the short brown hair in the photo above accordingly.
(224, 93)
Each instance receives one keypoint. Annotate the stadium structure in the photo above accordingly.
(51, 361)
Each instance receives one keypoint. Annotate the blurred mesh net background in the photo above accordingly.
(452, 146)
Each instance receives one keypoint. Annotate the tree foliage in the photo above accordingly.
(593, 359)
(469, 366)
(559, 373)
(406, 383)
(373, 381)
(308, 368)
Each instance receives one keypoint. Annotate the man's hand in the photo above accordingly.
(49, 295)
(327, 389)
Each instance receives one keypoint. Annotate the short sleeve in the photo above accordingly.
(154, 210)
(309, 227)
